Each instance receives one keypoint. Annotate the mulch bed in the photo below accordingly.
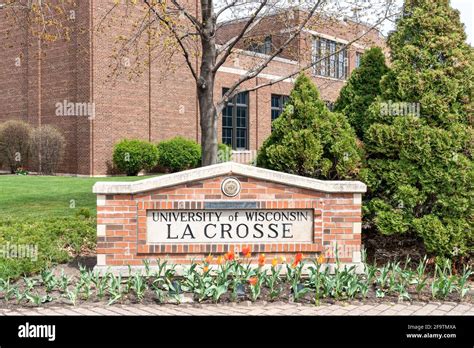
(286, 296)
(382, 249)
(71, 269)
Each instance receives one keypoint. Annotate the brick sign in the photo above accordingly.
(229, 226)
(185, 216)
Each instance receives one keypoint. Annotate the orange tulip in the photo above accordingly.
(261, 260)
(246, 251)
(253, 281)
(208, 259)
(274, 262)
(230, 256)
(298, 259)
(205, 269)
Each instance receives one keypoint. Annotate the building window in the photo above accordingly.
(358, 58)
(335, 65)
(329, 105)
(277, 105)
(264, 47)
(235, 118)
(332, 59)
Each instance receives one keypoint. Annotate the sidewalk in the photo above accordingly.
(247, 308)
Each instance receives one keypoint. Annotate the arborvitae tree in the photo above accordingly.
(309, 140)
(362, 89)
(419, 156)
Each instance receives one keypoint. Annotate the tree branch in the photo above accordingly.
(178, 38)
(258, 69)
(228, 46)
(225, 8)
(312, 64)
(189, 16)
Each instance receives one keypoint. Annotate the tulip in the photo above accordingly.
(321, 259)
(230, 256)
(274, 262)
(208, 259)
(298, 259)
(220, 259)
(205, 269)
(261, 260)
(246, 251)
(253, 281)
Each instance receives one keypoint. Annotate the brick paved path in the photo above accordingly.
(246, 308)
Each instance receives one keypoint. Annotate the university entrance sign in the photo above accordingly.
(187, 215)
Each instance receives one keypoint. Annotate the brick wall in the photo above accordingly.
(35, 75)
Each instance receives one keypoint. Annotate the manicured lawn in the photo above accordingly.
(48, 196)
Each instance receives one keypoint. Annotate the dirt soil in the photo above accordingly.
(383, 249)
(285, 296)
(72, 269)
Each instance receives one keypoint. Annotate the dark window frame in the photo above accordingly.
(282, 100)
(264, 47)
(336, 65)
(358, 58)
(329, 105)
(236, 106)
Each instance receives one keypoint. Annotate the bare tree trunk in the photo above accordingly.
(205, 85)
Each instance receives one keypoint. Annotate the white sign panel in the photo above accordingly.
(230, 226)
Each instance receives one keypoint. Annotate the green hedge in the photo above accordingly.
(419, 140)
(179, 154)
(132, 156)
(362, 89)
(309, 140)
(58, 240)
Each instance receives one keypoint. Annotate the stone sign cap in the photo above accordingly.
(228, 168)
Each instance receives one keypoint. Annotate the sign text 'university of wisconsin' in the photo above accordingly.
(229, 226)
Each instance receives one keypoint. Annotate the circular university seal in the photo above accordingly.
(230, 187)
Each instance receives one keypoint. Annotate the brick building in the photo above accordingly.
(37, 78)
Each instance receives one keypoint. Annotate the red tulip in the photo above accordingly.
(261, 260)
(246, 251)
(298, 259)
(230, 256)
